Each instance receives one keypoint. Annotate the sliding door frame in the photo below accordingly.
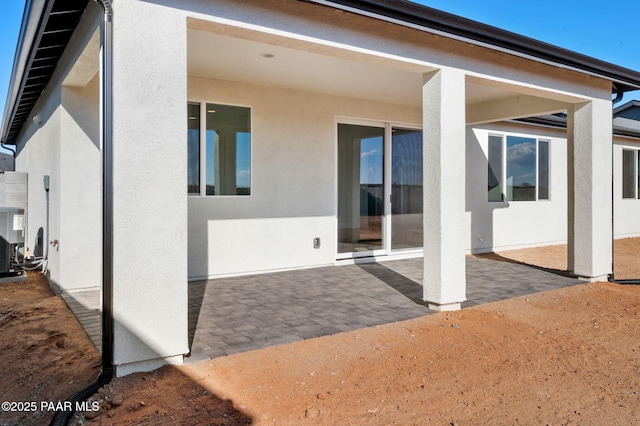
(388, 127)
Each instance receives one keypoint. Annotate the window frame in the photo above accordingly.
(502, 179)
(203, 148)
(635, 175)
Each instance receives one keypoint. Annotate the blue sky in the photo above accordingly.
(604, 30)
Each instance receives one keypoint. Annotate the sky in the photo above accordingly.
(603, 30)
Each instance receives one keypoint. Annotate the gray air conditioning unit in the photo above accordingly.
(11, 238)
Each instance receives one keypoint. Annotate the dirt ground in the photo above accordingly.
(626, 257)
(568, 356)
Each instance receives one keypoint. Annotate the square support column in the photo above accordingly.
(150, 292)
(589, 155)
(443, 110)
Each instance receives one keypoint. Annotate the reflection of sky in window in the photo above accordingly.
(210, 158)
(371, 160)
(243, 159)
(521, 160)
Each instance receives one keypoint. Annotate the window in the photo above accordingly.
(193, 148)
(630, 174)
(219, 149)
(495, 169)
(518, 168)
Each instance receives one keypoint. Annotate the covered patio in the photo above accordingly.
(232, 315)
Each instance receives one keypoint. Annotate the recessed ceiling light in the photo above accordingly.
(267, 55)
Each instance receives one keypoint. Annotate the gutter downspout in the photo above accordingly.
(8, 148)
(618, 98)
(13, 152)
(61, 418)
(107, 189)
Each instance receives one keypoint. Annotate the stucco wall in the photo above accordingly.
(80, 240)
(294, 181)
(63, 143)
(626, 216)
(149, 179)
(515, 224)
(294, 186)
(40, 157)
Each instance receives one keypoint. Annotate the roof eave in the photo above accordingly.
(46, 29)
(31, 19)
(435, 21)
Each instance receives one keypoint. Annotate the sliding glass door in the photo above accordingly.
(406, 189)
(379, 189)
(360, 188)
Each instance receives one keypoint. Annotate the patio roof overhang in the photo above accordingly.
(629, 127)
(435, 21)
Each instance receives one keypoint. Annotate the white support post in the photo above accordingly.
(443, 109)
(150, 296)
(589, 151)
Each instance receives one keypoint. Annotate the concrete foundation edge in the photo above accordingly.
(147, 365)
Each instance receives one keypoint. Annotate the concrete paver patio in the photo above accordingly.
(231, 315)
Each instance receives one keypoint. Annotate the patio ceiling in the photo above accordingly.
(227, 58)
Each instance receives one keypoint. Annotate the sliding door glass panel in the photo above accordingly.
(193, 148)
(521, 169)
(543, 170)
(406, 189)
(360, 188)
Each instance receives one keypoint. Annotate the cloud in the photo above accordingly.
(368, 153)
(522, 154)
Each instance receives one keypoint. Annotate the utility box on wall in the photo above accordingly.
(13, 207)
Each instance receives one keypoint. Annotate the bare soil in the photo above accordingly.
(45, 354)
(568, 356)
(626, 254)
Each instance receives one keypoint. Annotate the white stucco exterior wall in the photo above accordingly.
(626, 212)
(294, 180)
(149, 178)
(64, 146)
(495, 226)
(40, 157)
(80, 240)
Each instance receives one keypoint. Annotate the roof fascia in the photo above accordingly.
(623, 107)
(30, 33)
(452, 26)
(559, 124)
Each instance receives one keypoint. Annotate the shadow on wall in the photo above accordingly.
(477, 196)
(83, 106)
